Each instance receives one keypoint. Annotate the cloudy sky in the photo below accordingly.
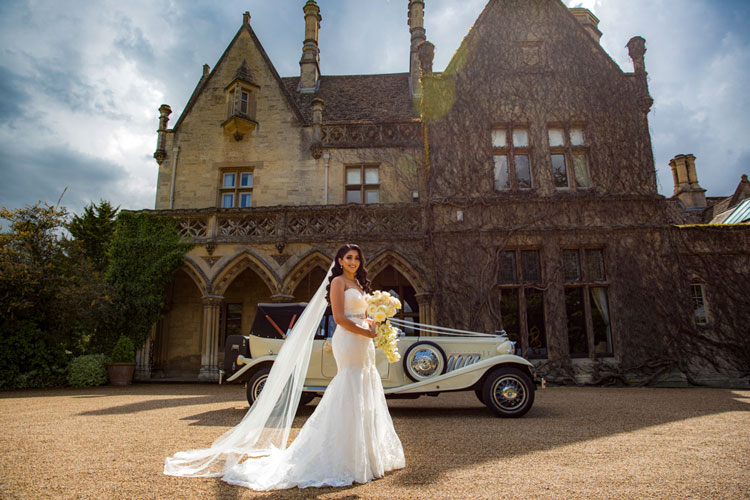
(81, 80)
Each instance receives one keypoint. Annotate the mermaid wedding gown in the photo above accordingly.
(349, 437)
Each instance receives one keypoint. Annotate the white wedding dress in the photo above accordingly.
(349, 437)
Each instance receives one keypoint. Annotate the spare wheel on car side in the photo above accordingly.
(423, 360)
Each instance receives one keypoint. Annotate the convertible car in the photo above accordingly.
(433, 360)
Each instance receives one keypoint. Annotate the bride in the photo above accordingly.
(349, 437)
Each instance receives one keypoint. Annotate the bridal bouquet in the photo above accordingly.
(380, 307)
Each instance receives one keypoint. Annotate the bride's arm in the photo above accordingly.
(337, 306)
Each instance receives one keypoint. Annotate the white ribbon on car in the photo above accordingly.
(441, 330)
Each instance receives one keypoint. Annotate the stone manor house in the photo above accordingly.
(514, 190)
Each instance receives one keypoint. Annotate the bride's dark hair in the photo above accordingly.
(360, 275)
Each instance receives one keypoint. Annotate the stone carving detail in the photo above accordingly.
(192, 228)
(371, 135)
(281, 259)
(316, 149)
(311, 224)
(293, 224)
(385, 222)
(531, 55)
(210, 260)
(244, 226)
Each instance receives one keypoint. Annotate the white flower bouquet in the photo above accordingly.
(380, 307)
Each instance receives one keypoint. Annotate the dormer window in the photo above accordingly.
(241, 100)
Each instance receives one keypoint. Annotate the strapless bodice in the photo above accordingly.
(355, 304)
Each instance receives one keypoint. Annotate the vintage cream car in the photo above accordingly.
(429, 365)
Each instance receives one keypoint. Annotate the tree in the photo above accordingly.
(93, 230)
(144, 253)
(33, 322)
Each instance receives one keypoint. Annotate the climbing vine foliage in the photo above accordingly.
(143, 255)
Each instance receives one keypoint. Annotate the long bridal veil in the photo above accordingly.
(265, 428)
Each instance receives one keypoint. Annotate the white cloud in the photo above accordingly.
(83, 85)
(697, 61)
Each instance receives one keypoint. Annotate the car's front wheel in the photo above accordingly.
(258, 381)
(508, 392)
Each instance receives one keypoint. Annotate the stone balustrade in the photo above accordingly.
(299, 223)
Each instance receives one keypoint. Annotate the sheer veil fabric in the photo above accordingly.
(265, 428)
(349, 437)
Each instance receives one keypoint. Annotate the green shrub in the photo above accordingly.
(124, 351)
(87, 371)
(27, 360)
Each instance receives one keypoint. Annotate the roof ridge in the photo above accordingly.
(204, 79)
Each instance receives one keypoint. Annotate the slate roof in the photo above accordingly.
(719, 210)
(370, 98)
(740, 214)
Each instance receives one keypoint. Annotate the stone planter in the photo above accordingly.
(120, 373)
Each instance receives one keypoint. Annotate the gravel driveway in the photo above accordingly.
(575, 443)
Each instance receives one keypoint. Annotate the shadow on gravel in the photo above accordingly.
(154, 404)
(458, 433)
(226, 491)
(561, 416)
(455, 431)
(217, 392)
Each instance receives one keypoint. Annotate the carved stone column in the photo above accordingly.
(425, 308)
(209, 371)
(143, 358)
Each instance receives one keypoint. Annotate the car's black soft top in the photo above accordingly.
(271, 318)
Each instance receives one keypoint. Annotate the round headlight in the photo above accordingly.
(506, 347)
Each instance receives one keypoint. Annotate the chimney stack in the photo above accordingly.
(636, 50)
(416, 28)
(161, 143)
(310, 63)
(589, 22)
(686, 187)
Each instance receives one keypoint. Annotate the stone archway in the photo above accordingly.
(400, 264)
(176, 349)
(195, 272)
(245, 259)
(311, 267)
(239, 285)
(391, 271)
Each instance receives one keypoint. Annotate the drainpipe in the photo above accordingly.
(326, 156)
(175, 150)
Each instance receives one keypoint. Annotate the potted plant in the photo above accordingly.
(122, 362)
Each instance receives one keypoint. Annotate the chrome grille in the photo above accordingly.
(456, 361)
